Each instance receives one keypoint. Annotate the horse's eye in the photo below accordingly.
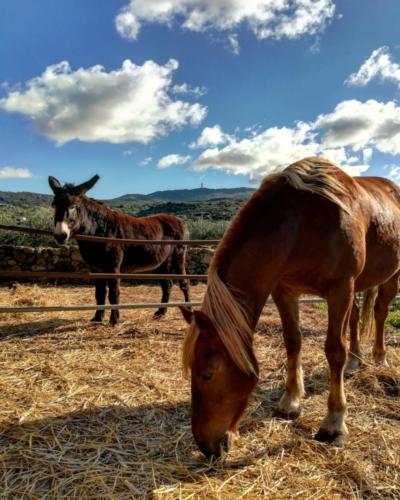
(207, 376)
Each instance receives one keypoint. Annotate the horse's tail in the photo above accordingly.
(367, 313)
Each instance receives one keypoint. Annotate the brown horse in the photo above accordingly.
(75, 213)
(311, 229)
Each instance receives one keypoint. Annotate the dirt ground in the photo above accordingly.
(90, 411)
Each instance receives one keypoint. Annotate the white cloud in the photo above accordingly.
(272, 150)
(146, 161)
(379, 64)
(16, 173)
(393, 172)
(348, 136)
(265, 18)
(132, 103)
(211, 136)
(127, 152)
(184, 88)
(234, 43)
(173, 159)
(362, 124)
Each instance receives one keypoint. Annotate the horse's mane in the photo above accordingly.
(230, 320)
(307, 175)
(221, 302)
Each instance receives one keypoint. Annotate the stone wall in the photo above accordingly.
(68, 259)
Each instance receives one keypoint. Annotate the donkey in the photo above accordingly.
(75, 213)
(309, 229)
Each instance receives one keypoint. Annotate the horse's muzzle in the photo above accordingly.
(221, 448)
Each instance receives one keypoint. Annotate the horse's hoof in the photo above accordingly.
(381, 361)
(335, 438)
(353, 365)
(287, 415)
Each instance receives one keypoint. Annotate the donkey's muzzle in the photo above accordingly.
(61, 237)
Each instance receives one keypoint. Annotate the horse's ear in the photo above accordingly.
(85, 186)
(187, 314)
(54, 184)
(203, 322)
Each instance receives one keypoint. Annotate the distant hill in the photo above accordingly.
(175, 195)
(201, 194)
(216, 209)
(25, 198)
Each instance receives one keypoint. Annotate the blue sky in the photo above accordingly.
(230, 96)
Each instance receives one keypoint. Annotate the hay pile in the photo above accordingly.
(95, 412)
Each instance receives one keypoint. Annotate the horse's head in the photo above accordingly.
(220, 389)
(67, 203)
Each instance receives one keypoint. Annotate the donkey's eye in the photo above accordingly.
(207, 376)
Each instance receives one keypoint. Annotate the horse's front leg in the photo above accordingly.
(288, 307)
(333, 428)
(113, 297)
(101, 292)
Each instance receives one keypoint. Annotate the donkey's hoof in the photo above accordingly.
(291, 414)
(335, 438)
(97, 321)
(159, 314)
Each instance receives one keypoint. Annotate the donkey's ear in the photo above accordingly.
(85, 186)
(54, 184)
(187, 314)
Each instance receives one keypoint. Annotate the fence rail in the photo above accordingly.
(54, 275)
(118, 241)
(151, 305)
(128, 276)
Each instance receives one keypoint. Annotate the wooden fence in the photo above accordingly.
(93, 276)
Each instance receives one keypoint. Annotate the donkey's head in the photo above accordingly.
(67, 206)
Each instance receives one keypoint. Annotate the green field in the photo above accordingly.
(205, 219)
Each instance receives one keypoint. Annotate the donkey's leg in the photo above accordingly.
(354, 356)
(113, 297)
(179, 267)
(166, 286)
(387, 292)
(101, 292)
(288, 307)
(333, 428)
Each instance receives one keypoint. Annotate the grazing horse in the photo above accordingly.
(310, 229)
(75, 213)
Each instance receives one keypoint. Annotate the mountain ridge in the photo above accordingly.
(173, 195)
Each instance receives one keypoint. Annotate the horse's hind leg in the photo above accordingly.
(354, 356)
(288, 307)
(333, 428)
(166, 286)
(387, 292)
(101, 292)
